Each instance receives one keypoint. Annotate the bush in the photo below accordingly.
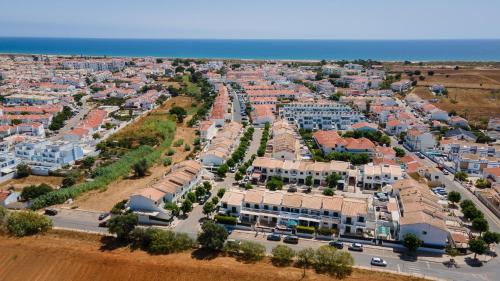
(411, 242)
(68, 181)
(34, 191)
(221, 192)
(282, 255)
(329, 260)
(119, 207)
(170, 152)
(226, 220)
(141, 168)
(305, 229)
(25, 223)
(122, 225)
(167, 161)
(23, 170)
(328, 192)
(324, 231)
(178, 142)
(212, 236)
(166, 242)
(274, 183)
(187, 147)
(251, 251)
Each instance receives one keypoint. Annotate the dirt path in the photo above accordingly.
(70, 256)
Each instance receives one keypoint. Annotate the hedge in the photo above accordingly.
(306, 229)
(226, 219)
(324, 231)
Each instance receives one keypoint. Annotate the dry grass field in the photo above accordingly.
(123, 188)
(62, 255)
(19, 184)
(473, 92)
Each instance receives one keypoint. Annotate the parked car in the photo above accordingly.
(378, 261)
(291, 239)
(445, 172)
(103, 216)
(232, 169)
(356, 247)
(274, 237)
(103, 223)
(337, 244)
(51, 212)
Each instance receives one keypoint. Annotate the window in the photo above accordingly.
(275, 208)
(247, 205)
(266, 207)
(424, 232)
(224, 205)
(233, 209)
(335, 214)
(361, 219)
(256, 206)
(325, 213)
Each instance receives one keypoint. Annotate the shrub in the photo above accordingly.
(187, 147)
(166, 242)
(88, 162)
(167, 161)
(221, 192)
(328, 192)
(119, 207)
(251, 251)
(141, 168)
(170, 152)
(122, 225)
(282, 255)
(329, 260)
(25, 223)
(68, 181)
(411, 242)
(172, 207)
(23, 170)
(324, 231)
(226, 220)
(212, 236)
(305, 229)
(34, 191)
(274, 183)
(178, 142)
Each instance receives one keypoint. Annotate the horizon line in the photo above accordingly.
(250, 39)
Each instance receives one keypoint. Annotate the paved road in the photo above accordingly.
(429, 268)
(79, 220)
(74, 120)
(236, 108)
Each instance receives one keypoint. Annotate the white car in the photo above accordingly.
(378, 261)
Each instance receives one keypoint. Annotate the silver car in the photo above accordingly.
(378, 261)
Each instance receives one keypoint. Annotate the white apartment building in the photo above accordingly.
(377, 176)
(349, 216)
(320, 116)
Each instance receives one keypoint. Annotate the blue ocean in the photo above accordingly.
(384, 50)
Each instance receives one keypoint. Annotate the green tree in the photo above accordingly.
(471, 213)
(191, 196)
(477, 246)
(399, 152)
(208, 208)
(305, 259)
(167, 161)
(483, 183)
(141, 168)
(454, 197)
(212, 236)
(411, 242)
(490, 237)
(274, 183)
(336, 263)
(25, 223)
(207, 185)
(238, 176)
(282, 255)
(34, 191)
(332, 180)
(467, 203)
(461, 176)
(480, 225)
(200, 191)
(172, 207)
(328, 192)
(309, 181)
(186, 206)
(251, 251)
(23, 170)
(122, 225)
(222, 170)
(221, 192)
(215, 200)
(88, 162)
(179, 112)
(68, 181)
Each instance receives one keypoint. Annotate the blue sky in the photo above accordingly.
(268, 19)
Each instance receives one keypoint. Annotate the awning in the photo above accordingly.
(292, 223)
(308, 219)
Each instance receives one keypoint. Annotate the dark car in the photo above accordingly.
(291, 239)
(103, 223)
(337, 244)
(50, 212)
(274, 237)
(103, 216)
